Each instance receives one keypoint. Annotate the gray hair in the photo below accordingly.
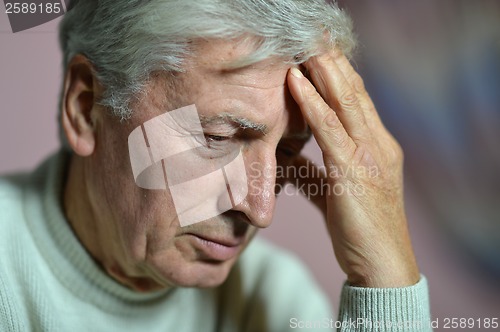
(127, 40)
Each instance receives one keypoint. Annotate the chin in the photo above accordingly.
(197, 273)
(203, 274)
(189, 262)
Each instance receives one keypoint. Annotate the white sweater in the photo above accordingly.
(48, 282)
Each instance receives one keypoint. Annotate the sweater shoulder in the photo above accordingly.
(12, 203)
(269, 286)
(11, 187)
(274, 269)
(267, 261)
(14, 232)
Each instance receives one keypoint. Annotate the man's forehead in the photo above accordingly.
(223, 58)
(249, 97)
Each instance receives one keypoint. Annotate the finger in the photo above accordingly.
(337, 146)
(372, 118)
(339, 95)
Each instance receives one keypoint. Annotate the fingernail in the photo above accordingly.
(296, 72)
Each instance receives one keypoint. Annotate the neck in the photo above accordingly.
(78, 209)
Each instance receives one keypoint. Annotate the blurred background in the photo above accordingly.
(433, 70)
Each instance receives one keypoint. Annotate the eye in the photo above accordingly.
(216, 138)
(217, 141)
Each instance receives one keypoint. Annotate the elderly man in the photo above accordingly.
(100, 237)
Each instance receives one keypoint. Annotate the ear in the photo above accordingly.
(78, 102)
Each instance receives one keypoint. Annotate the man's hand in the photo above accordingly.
(364, 202)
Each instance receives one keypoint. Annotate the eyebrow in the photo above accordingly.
(243, 123)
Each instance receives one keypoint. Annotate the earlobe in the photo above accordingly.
(78, 103)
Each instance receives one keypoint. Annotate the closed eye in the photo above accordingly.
(216, 138)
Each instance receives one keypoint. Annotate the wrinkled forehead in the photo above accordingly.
(226, 59)
(256, 93)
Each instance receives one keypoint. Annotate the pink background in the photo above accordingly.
(30, 79)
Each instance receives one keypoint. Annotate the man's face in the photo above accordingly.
(142, 241)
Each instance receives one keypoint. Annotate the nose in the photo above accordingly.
(260, 202)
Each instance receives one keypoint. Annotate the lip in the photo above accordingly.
(217, 249)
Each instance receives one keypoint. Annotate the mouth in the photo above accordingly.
(216, 248)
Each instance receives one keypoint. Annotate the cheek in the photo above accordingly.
(142, 219)
(156, 212)
(135, 214)
(149, 222)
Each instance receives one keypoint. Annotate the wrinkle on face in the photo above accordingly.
(253, 101)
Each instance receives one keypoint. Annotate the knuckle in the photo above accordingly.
(395, 154)
(334, 130)
(348, 100)
(400, 154)
(358, 84)
(330, 120)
